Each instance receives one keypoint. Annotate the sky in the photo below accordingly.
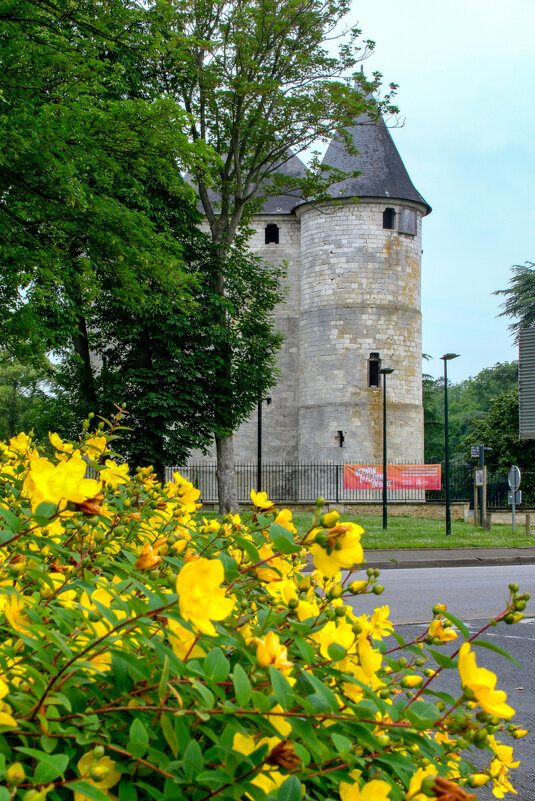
(465, 70)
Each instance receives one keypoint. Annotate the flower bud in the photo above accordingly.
(15, 774)
(336, 591)
(378, 589)
(98, 751)
(320, 502)
(357, 586)
(329, 519)
(321, 539)
(293, 603)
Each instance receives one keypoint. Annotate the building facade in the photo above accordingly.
(352, 306)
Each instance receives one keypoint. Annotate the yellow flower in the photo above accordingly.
(59, 445)
(342, 551)
(100, 773)
(15, 615)
(375, 790)
(182, 641)
(147, 558)
(437, 630)
(415, 784)
(270, 651)
(284, 518)
(201, 598)
(59, 483)
(411, 681)
(20, 444)
(274, 567)
(114, 474)
(380, 625)
(95, 447)
(260, 500)
(267, 778)
(482, 683)
(279, 721)
(284, 590)
(478, 779)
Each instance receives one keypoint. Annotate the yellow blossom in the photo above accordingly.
(437, 630)
(343, 549)
(374, 790)
(415, 784)
(89, 768)
(95, 446)
(59, 483)
(482, 682)
(279, 721)
(267, 778)
(270, 651)
(147, 558)
(114, 474)
(274, 567)
(284, 519)
(261, 500)
(182, 640)
(200, 595)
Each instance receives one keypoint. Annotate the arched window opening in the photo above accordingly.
(374, 365)
(272, 234)
(389, 217)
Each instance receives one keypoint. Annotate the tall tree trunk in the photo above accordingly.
(226, 475)
(87, 380)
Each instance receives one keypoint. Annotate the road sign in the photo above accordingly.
(514, 477)
(475, 450)
(479, 478)
(517, 497)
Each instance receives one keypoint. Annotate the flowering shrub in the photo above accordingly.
(150, 653)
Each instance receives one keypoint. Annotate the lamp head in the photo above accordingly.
(448, 356)
(386, 370)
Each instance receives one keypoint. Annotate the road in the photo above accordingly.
(475, 596)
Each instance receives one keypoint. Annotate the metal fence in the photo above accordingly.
(287, 483)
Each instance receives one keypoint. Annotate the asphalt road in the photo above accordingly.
(475, 595)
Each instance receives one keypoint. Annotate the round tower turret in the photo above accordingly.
(360, 307)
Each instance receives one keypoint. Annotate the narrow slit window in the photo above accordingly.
(408, 222)
(374, 365)
(389, 218)
(272, 234)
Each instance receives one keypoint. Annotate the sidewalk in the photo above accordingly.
(448, 557)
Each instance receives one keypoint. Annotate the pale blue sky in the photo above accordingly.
(465, 70)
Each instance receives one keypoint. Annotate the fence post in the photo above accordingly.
(528, 524)
(337, 479)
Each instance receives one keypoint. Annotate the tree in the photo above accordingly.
(81, 136)
(259, 82)
(469, 401)
(520, 298)
(23, 398)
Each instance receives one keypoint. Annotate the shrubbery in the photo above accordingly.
(149, 653)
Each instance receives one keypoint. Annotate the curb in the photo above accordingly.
(468, 561)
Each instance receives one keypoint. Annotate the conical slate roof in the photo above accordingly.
(382, 172)
(285, 204)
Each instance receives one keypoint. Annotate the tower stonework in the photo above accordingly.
(353, 305)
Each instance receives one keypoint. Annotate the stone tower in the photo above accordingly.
(353, 305)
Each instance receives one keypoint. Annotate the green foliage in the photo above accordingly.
(133, 666)
(469, 401)
(23, 398)
(519, 302)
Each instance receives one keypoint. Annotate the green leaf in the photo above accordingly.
(230, 565)
(138, 733)
(242, 685)
(422, 715)
(49, 767)
(216, 665)
(325, 693)
(45, 511)
(443, 660)
(127, 789)
(341, 743)
(249, 549)
(304, 648)
(282, 539)
(169, 733)
(290, 790)
(89, 790)
(13, 523)
(496, 648)
(336, 652)
(282, 688)
(459, 623)
(193, 761)
(164, 678)
(4, 794)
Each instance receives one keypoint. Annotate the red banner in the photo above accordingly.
(398, 476)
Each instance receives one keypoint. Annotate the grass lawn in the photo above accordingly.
(417, 532)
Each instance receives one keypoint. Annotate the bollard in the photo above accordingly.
(487, 522)
(528, 524)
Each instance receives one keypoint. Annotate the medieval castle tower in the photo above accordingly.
(353, 305)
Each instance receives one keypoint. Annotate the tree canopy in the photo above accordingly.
(519, 303)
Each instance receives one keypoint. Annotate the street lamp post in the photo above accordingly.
(384, 372)
(259, 446)
(446, 358)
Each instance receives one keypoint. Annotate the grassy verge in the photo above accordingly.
(417, 532)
